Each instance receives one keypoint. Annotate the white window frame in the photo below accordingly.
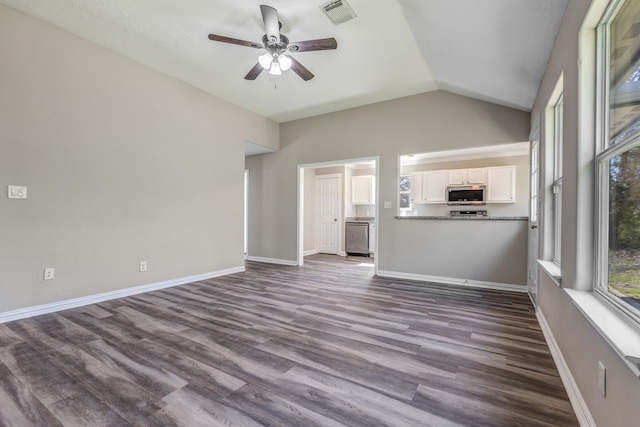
(604, 153)
(556, 189)
(410, 208)
(535, 184)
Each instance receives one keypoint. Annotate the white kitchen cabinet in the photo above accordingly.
(501, 184)
(457, 177)
(475, 176)
(429, 187)
(416, 187)
(363, 190)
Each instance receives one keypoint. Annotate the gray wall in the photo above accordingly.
(122, 163)
(432, 121)
(581, 345)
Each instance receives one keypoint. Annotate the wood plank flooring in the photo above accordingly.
(322, 345)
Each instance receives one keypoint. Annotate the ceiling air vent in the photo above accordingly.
(338, 11)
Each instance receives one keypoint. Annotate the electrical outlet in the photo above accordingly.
(602, 379)
(48, 273)
(143, 265)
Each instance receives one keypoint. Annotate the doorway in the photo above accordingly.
(534, 207)
(322, 221)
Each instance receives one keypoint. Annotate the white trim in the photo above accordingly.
(272, 260)
(552, 269)
(453, 281)
(310, 252)
(246, 213)
(342, 253)
(575, 397)
(619, 334)
(480, 152)
(37, 310)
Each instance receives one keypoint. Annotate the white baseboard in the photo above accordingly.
(453, 281)
(575, 397)
(24, 313)
(342, 253)
(272, 260)
(311, 252)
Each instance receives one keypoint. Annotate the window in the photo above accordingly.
(405, 192)
(557, 179)
(618, 157)
(535, 171)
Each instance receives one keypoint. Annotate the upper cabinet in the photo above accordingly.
(363, 190)
(501, 184)
(476, 176)
(457, 177)
(429, 187)
(467, 177)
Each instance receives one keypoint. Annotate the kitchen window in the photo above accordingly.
(405, 193)
(618, 158)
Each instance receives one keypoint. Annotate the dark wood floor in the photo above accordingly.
(322, 345)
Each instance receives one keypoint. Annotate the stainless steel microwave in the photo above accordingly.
(470, 195)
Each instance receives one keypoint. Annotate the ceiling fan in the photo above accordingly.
(277, 58)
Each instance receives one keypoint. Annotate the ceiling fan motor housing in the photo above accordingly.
(274, 47)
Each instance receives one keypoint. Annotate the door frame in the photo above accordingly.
(339, 250)
(300, 219)
(533, 225)
(246, 213)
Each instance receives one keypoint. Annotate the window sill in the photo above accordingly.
(552, 269)
(624, 339)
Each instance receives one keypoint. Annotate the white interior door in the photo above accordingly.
(328, 208)
(534, 207)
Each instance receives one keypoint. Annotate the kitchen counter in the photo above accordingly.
(473, 218)
(360, 219)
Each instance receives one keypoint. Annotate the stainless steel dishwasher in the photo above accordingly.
(357, 238)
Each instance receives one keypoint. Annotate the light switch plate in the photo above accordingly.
(16, 191)
(387, 205)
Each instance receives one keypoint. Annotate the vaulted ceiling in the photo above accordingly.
(495, 50)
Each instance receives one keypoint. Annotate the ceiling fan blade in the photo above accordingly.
(301, 70)
(254, 73)
(231, 40)
(309, 45)
(271, 23)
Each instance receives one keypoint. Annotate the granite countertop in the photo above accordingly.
(474, 218)
(360, 219)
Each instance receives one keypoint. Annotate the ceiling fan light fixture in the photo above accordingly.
(275, 69)
(265, 60)
(285, 62)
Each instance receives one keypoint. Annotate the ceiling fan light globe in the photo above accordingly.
(265, 60)
(285, 62)
(275, 69)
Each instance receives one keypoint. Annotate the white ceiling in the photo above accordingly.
(494, 50)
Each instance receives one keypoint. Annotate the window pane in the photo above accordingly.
(405, 200)
(405, 183)
(624, 90)
(624, 226)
